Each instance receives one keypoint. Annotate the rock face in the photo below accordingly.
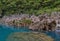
(34, 26)
(47, 23)
(34, 18)
(38, 23)
(58, 25)
(43, 25)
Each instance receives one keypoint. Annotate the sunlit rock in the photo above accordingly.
(34, 18)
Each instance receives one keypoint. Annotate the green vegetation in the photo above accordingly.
(29, 6)
(29, 37)
(23, 22)
(26, 21)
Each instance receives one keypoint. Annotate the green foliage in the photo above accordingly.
(26, 21)
(29, 6)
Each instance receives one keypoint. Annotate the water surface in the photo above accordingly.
(7, 30)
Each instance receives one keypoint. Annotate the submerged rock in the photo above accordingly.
(29, 36)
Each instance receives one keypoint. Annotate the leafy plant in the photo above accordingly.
(28, 6)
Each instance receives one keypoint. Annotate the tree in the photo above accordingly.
(28, 6)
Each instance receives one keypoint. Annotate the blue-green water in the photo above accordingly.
(55, 35)
(6, 30)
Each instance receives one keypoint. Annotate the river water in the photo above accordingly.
(7, 30)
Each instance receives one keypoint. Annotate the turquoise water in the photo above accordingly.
(55, 35)
(6, 30)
